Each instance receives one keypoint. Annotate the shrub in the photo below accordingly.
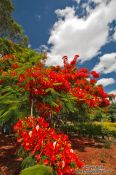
(109, 129)
(92, 129)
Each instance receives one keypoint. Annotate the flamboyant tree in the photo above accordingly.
(47, 92)
(54, 90)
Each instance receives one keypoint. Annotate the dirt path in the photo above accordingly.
(9, 162)
(96, 156)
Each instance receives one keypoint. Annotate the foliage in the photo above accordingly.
(14, 100)
(28, 161)
(12, 104)
(9, 28)
(46, 146)
(63, 90)
(108, 114)
(23, 54)
(36, 170)
(91, 129)
(99, 114)
(112, 112)
(52, 90)
(49, 91)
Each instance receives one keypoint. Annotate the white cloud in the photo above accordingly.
(114, 36)
(95, 1)
(100, 1)
(105, 81)
(71, 35)
(78, 1)
(43, 48)
(112, 92)
(107, 63)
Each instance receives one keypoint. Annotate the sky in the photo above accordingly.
(69, 27)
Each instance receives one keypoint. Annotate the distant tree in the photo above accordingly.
(9, 28)
(23, 54)
(112, 112)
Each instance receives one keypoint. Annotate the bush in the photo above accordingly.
(92, 129)
(109, 129)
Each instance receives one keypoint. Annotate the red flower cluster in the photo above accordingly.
(47, 146)
(95, 74)
(15, 65)
(38, 79)
(8, 57)
(46, 109)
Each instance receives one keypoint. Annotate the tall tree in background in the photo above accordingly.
(9, 28)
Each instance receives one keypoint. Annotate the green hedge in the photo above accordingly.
(91, 129)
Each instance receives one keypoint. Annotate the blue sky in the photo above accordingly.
(69, 27)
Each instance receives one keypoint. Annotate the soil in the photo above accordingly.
(9, 162)
(96, 155)
(92, 153)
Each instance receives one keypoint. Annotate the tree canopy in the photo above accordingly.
(9, 28)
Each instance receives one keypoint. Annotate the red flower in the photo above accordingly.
(80, 164)
(93, 81)
(15, 65)
(46, 161)
(37, 156)
(43, 142)
(95, 74)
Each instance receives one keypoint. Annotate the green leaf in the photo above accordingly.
(57, 84)
(27, 162)
(37, 170)
(50, 90)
